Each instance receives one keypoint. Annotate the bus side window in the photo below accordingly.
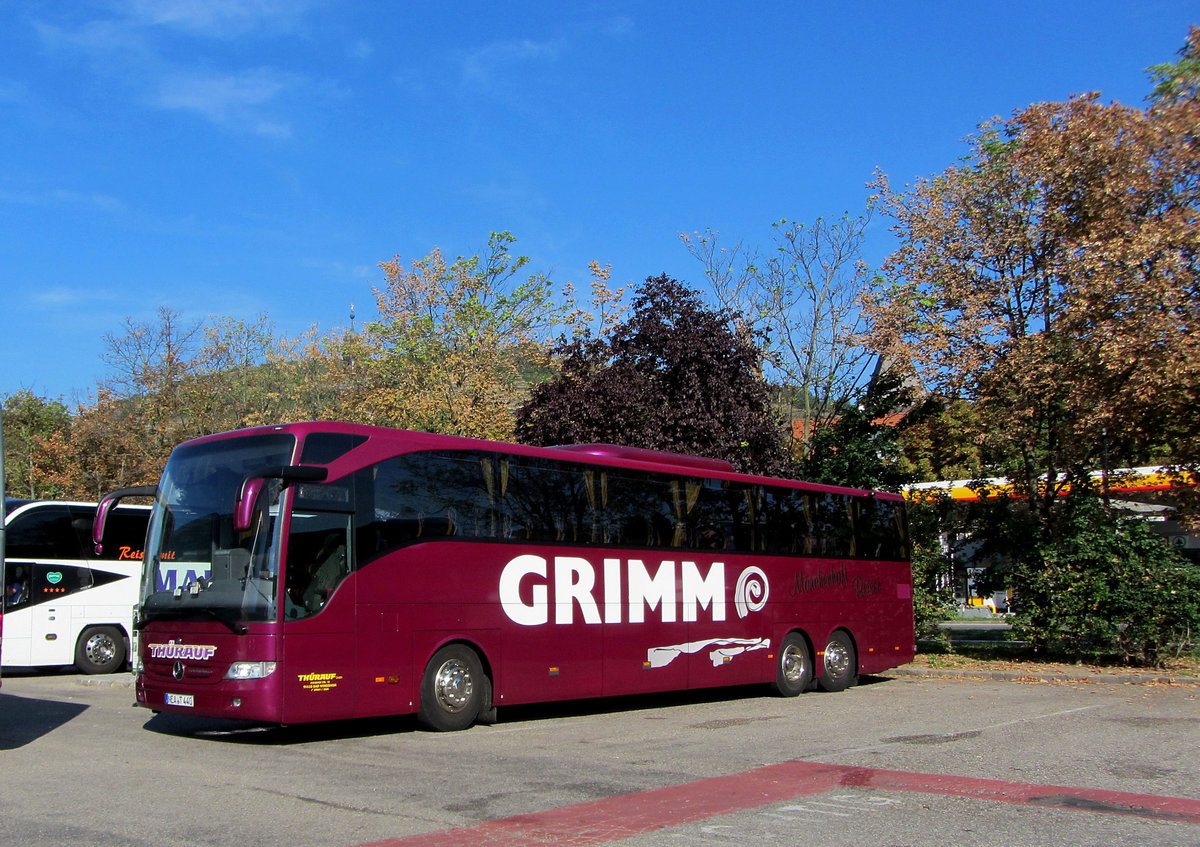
(39, 583)
(65, 579)
(44, 532)
(16, 589)
(124, 535)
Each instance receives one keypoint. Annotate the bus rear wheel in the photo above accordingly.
(841, 663)
(100, 649)
(794, 673)
(453, 690)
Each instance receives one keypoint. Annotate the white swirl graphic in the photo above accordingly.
(751, 592)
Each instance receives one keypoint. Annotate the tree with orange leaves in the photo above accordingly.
(1052, 280)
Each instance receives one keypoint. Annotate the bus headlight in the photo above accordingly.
(250, 670)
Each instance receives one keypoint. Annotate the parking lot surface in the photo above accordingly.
(898, 760)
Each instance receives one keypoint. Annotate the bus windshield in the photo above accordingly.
(198, 566)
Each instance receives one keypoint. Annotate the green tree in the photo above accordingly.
(673, 375)
(448, 352)
(237, 376)
(29, 422)
(1100, 586)
(932, 570)
(933, 444)
(1178, 82)
(172, 379)
(799, 300)
(451, 340)
(328, 376)
(1051, 280)
(861, 447)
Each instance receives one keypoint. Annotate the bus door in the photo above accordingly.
(51, 607)
(318, 655)
(51, 611)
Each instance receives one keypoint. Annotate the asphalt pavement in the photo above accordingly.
(898, 760)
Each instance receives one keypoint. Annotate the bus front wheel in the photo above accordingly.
(101, 649)
(841, 663)
(794, 673)
(453, 690)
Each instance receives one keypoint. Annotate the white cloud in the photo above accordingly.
(488, 67)
(63, 198)
(96, 40)
(127, 43)
(619, 26)
(230, 98)
(64, 296)
(216, 18)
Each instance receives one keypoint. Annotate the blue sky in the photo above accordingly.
(240, 157)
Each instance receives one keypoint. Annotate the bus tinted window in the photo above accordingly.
(124, 533)
(46, 532)
(882, 531)
(321, 448)
(548, 501)
(50, 582)
(465, 494)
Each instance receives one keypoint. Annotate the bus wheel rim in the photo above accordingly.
(453, 685)
(101, 649)
(793, 664)
(837, 659)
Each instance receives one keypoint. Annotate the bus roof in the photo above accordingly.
(390, 442)
(14, 504)
(642, 454)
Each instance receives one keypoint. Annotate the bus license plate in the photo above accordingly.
(181, 700)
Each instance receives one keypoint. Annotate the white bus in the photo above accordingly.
(64, 604)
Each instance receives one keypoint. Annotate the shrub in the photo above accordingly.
(1099, 585)
(933, 592)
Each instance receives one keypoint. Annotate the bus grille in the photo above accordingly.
(165, 671)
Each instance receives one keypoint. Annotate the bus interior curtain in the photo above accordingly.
(589, 488)
(677, 511)
(751, 497)
(506, 512)
(489, 482)
(806, 508)
(604, 505)
(852, 522)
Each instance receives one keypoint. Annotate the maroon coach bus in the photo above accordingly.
(321, 571)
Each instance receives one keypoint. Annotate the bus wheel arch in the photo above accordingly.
(839, 662)
(456, 689)
(101, 649)
(793, 665)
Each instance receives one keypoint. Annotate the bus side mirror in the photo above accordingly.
(252, 485)
(108, 502)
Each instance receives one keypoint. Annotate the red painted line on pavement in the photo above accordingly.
(627, 815)
(1179, 809)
